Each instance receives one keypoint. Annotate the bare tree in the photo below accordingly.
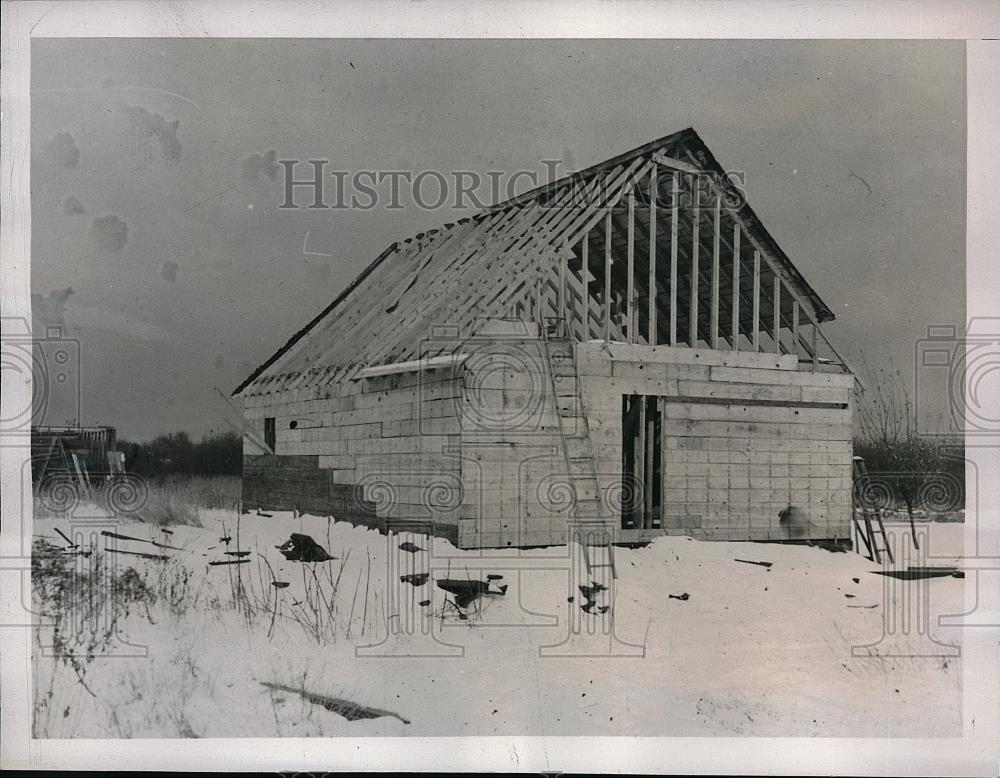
(890, 443)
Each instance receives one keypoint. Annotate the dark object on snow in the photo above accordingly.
(349, 710)
(279, 584)
(570, 598)
(856, 580)
(591, 592)
(70, 543)
(225, 539)
(157, 557)
(265, 515)
(408, 546)
(493, 577)
(750, 562)
(116, 536)
(415, 579)
(919, 573)
(849, 596)
(166, 531)
(425, 603)
(684, 596)
(230, 562)
(588, 607)
(237, 553)
(302, 548)
(466, 591)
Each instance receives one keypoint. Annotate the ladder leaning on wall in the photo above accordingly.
(590, 526)
(872, 517)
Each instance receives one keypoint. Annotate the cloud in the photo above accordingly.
(168, 271)
(71, 206)
(49, 311)
(256, 164)
(148, 126)
(62, 150)
(109, 233)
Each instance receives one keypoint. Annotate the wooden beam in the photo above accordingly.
(607, 275)
(640, 461)
(736, 287)
(584, 275)
(815, 330)
(756, 300)
(716, 229)
(675, 207)
(804, 302)
(795, 326)
(630, 307)
(652, 258)
(695, 247)
(661, 158)
(563, 265)
(647, 521)
(776, 326)
(663, 458)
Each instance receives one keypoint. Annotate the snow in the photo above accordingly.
(754, 650)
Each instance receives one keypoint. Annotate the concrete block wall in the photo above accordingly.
(513, 465)
(737, 455)
(392, 441)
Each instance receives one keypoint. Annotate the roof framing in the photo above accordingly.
(511, 257)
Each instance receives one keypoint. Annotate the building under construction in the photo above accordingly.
(626, 348)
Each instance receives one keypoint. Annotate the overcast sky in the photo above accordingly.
(153, 196)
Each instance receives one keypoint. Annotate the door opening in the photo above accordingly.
(643, 454)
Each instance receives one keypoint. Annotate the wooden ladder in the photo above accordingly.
(609, 556)
(872, 517)
(590, 527)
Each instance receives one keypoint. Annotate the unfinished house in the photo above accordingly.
(626, 348)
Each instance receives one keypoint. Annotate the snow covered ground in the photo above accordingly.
(816, 644)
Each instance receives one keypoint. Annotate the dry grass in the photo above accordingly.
(163, 502)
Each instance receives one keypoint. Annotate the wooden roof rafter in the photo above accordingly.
(479, 266)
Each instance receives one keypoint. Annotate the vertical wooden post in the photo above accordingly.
(756, 300)
(674, 215)
(736, 286)
(716, 229)
(663, 460)
(652, 258)
(815, 332)
(585, 333)
(607, 276)
(650, 462)
(639, 500)
(795, 327)
(539, 291)
(695, 246)
(563, 270)
(777, 314)
(631, 314)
